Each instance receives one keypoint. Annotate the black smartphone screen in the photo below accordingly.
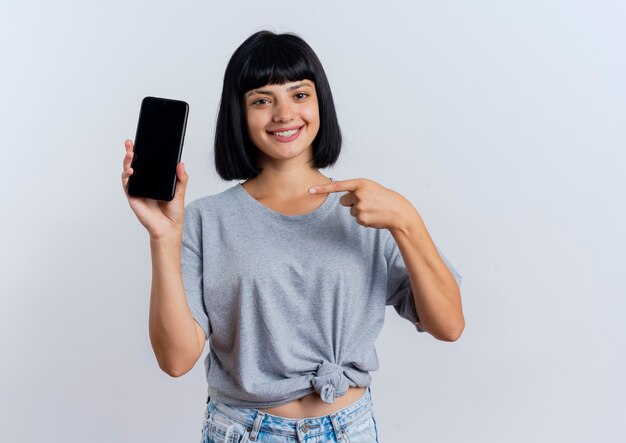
(158, 147)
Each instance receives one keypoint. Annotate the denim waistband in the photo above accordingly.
(256, 420)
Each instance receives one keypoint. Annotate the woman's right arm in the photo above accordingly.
(177, 339)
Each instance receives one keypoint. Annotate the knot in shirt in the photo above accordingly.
(330, 382)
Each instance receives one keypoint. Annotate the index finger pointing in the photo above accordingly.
(338, 186)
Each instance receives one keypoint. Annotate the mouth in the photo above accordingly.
(286, 134)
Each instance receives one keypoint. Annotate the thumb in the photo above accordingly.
(181, 176)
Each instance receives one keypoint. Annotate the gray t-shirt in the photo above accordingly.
(291, 304)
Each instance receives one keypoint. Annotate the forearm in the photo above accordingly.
(172, 327)
(435, 291)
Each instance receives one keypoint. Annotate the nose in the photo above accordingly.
(283, 112)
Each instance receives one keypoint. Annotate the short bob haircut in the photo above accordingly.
(269, 58)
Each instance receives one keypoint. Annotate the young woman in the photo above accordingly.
(287, 278)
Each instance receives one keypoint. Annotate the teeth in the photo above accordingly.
(286, 133)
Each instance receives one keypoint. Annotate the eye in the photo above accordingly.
(259, 100)
(302, 93)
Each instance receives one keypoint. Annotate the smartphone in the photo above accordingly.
(158, 147)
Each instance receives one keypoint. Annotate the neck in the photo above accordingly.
(285, 184)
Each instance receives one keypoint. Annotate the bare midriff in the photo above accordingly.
(312, 405)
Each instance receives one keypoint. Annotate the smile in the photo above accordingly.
(286, 136)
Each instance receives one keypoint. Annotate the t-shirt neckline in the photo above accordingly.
(259, 207)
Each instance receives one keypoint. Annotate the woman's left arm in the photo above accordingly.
(436, 293)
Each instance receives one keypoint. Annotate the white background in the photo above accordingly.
(502, 122)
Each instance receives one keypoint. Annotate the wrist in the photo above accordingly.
(407, 223)
(168, 241)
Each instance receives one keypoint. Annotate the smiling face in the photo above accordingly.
(283, 120)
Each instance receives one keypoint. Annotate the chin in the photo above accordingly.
(285, 153)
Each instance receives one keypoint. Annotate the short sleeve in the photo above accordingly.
(191, 267)
(399, 291)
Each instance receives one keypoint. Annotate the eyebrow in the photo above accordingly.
(261, 91)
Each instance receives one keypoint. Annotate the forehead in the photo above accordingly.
(286, 87)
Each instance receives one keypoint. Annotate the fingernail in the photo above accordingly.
(312, 190)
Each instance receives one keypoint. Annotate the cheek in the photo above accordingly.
(312, 117)
(254, 126)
